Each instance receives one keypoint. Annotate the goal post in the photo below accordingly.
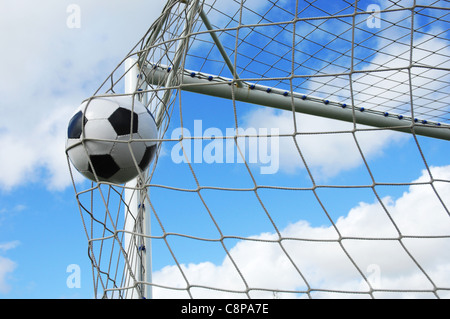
(197, 82)
(137, 223)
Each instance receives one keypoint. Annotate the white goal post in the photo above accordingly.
(137, 214)
(214, 85)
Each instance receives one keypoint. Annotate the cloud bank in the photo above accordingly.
(7, 266)
(49, 66)
(319, 260)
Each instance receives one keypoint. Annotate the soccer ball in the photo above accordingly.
(105, 139)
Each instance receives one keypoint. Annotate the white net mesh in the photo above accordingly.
(247, 200)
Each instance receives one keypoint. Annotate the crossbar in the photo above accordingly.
(214, 85)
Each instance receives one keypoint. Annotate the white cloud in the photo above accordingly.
(326, 154)
(7, 266)
(9, 245)
(40, 146)
(48, 69)
(325, 264)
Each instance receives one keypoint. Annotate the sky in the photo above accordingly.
(57, 53)
(49, 65)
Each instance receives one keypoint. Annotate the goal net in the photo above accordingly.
(303, 152)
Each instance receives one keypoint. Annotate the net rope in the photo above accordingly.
(352, 210)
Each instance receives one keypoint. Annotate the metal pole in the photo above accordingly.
(262, 95)
(147, 227)
(220, 47)
(137, 216)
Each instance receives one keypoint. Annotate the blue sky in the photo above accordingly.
(51, 67)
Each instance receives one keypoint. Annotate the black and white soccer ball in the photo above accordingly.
(105, 139)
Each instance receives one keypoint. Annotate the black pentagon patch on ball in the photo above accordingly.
(104, 166)
(121, 121)
(76, 125)
(148, 156)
